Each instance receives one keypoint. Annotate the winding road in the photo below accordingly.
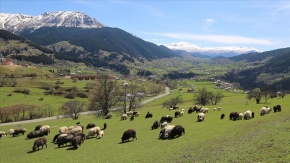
(167, 92)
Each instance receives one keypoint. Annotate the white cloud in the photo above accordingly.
(225, 39)
(207, 22)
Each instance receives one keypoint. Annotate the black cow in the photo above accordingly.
(130, 133)
(39, 142)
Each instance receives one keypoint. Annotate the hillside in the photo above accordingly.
(96, 39)
(253, 57)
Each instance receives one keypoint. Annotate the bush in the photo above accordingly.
(71, 95)
(82, 94)
(22, 90)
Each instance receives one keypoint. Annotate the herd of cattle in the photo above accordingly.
(74, 135)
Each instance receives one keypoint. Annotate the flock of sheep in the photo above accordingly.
(75, 136)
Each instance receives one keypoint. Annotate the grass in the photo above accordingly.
(262, 139)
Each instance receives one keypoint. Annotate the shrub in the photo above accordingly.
(82, 94)
(71, 95)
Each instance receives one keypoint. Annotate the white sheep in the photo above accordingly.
(2, 133)
(265, 110)
(45, 129)
(75, 129)
(248, 114)
(11, 131)
(108, 116)
(166, 131)
(63, 130)
(200, 116)
(214, 109)
(204, 110)
(182, 112)
(163, 124)
(93, 131)
(129, 113)
(241, 115)
(219, 108)
(124, 116)
(101, 134)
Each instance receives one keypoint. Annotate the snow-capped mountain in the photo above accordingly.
(211, 51)
(19, 22)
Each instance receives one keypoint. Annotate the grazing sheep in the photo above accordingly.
(81, 127)
(76, 142)
(148, 115)
(108, 116)
(130, 133)
(34, 134)
(253, 115)
(241, 115)
(176, 131)
(200, 117)
(219, 108)
(59, 137)
(204, 110)
(82, 135)
(101, 134)
(19, 131)
(277, 108)
(234, 115)
(198, 109)
(132, 118)
(166, 118)
(155, 125)
(177, 114)
(165, 132)
(37, 127)
(11, 131)
(182, 112)
(265, 110)
(136, 113)
(129, 113)
(55, 137)
(78, 123)
(248, 115)
(75, 129)
(2, 133)
(163, 124)
(214, 109)
(64, 140)
(124, 116)
(190, 110)
(63, 130)
(39, 142)
(45, 129)
(93, 131)
(105, 126)
(90, 125)
(222, 116)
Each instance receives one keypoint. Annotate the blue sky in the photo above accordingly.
(264, 25)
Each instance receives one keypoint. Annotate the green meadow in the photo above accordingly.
(262, 139)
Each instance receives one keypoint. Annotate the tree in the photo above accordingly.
(216, 97)
(104, 96)
(203, 96)
(266, 93)
(173, 101)
(256, 94)
(133, 89)
(73, 108)
(48, 110)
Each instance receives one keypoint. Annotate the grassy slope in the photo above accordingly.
(262, 139)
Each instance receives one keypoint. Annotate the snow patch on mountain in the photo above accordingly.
(19, 22)
(211, 51)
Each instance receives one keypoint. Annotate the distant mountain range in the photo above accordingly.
(18, 22)
(209, 52)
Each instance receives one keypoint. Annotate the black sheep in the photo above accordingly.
(177, 113)
(148, 115)
(105, 126)
(76, 142)
(130, 133)
(55, 137)
(253, 115)
(37, 127)
(234, 115)
(132, 118)
(64, 140)
(177, 131)
(167, 119)
(34, 134)
(82, 135)
(39, 142)
(190, 110)
(90, 125)
(19, 131)
(222, 116)
(155, 125)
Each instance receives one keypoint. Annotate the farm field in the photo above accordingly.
(262, 139)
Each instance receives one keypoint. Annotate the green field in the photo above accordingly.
(263, 139)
